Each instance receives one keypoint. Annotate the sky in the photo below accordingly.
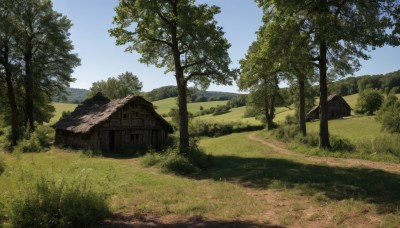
(101, 58)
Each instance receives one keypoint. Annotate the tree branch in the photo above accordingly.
(193, 64)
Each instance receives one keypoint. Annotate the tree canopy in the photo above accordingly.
(338, 34)
(117, 87)
(181, 37)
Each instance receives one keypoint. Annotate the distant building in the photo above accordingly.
(113, 125)
(337, 108)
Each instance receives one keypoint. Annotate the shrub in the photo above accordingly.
(286, 132)
(369, 101)
(37, 141)
(341, 144)
(221, 109)
(172, 160)
(91, 153)
(48, 204)
(214, 129)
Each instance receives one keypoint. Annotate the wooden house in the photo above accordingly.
(113, 125)
(337, 108)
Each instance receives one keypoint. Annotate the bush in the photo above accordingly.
(37, 141)
(48, 204)
(214, 129)
(341, 144)
(172, 160)
(221, 109)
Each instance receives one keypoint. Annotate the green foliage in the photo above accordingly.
(381, 144)
(369, 101)
(389, 114)
(38, 141)
(2, 168)
(221, 109)
(200, 127)
(238, 101)
(289, 133)
(52, 204)
(180, 162)
(117, 87)
(341, 144)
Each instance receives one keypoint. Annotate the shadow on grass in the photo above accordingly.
(337, 183)
(137, 220)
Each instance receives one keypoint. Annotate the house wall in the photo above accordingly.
(336, 109)
(132, 127)
(72, 139)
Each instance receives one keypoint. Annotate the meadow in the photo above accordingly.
(248, 183)
(273, 189)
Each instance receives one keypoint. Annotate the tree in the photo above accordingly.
(389, 114)
(180, 36)
(369, 101)
(260, 74)
(44, 46)
(9, 64)
(339, 33)
(35, 60)
(119, 87)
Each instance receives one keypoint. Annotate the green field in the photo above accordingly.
(165, 105)
(246, 183)
(60, 107)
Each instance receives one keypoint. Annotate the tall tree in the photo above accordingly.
(260, 74)
(44, 45)
(182, 37)
(8, 62)
(119, 87)
(340, 32)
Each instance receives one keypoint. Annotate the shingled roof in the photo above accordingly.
(98, 109)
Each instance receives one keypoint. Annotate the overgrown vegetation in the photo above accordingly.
(389, 114)
(172, 160)
(38, 141)
(200, 127)
(49, 203)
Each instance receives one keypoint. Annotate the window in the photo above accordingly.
(125, 115)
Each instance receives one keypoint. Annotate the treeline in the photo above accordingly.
(194, 94)
(386, 83)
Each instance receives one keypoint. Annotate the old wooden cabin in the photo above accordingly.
(113, 125)
(337, 108)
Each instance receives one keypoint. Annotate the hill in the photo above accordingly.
(74, 96)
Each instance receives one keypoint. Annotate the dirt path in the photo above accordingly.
(279, 148)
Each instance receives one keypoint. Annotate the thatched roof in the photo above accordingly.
(97, 110)
(330, 98)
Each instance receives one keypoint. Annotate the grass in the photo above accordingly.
(234, 188)
(60, 107)
(235, 114)
(353, 128)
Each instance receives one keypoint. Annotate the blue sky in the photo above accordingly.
(101, 58)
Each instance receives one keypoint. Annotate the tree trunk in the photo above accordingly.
(29, 93)
(183, 115)
(323, 98)
(11, 98)
(182, 89)
(302, 107)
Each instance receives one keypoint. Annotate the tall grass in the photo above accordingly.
(51, 204)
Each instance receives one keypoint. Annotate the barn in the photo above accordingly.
(337, 108)
(113, 125)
